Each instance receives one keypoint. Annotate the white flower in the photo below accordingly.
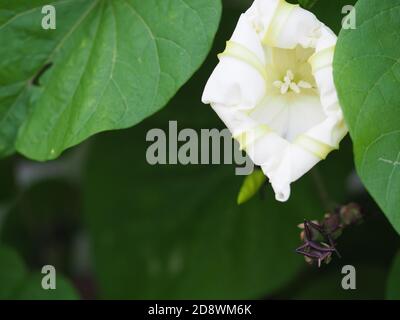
(274, 90)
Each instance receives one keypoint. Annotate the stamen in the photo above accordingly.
(285, 88)
(304, 85)
(288, 84)
(294, 87)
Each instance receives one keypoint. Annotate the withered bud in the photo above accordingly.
(331, 222)
(319, 238)
(310, 230)
(351, 214)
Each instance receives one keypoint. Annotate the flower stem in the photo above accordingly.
(326, 200)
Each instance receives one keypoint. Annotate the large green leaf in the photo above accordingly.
(12, 272)
(32, 289)
(112, 64)
(177, 232)
(393, 281)
(367, 76)
(17, 283)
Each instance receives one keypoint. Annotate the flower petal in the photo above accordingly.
(289, 115)
(237, 80)
(284, 25)
(274, 90)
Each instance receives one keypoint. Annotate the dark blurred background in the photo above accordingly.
(116, 227)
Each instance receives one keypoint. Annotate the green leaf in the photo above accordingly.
(108, 65)
(251, 184)
(393, 283)
(32, 289)
(18, 283)
(12, 272)
(367, 76)
(176, 232)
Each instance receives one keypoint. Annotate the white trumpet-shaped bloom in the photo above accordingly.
(274, 90)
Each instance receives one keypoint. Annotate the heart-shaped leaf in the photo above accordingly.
(17, 283)
(107, 65)
(176, 232)
(12, 272)
(367, 76)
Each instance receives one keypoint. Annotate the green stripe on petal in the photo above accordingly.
(278, 22)
(322, 59)
(240, 52)
(249, 137)
(313, 146)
